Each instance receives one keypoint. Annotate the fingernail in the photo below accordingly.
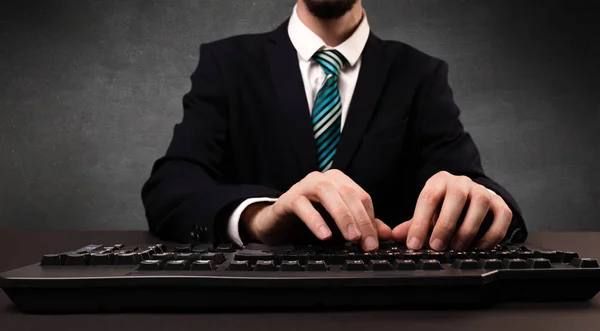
(414, 243)
(324, 232)
(437, 244)
(353, 232)
(482, 244)
(370, 243)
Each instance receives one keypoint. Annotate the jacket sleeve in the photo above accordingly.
(443, 144)
(192, 191)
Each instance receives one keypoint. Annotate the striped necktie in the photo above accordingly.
(327, 108)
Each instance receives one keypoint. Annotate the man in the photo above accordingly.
(321, 127)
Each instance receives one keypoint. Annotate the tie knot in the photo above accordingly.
(330, 60)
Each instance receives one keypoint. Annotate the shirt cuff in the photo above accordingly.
(233, 226)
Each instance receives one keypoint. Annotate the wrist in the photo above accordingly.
(249, 220)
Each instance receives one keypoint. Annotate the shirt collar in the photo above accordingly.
(307, 43)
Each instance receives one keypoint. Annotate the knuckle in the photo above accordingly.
(464, 179)
(482, 198)
(365, 198)
(458, 191)
(364, 223)
(343, 214)
(505, 212)
(347, 190)
(429, 195)
(445, 226)
(322, 186)
(443, 173)
(315, 175)
(297, 201)
(333, 172)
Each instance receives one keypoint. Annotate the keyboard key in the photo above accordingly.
(265, 265)
(380, 265)
(388, 255)
(429, 264)
(88, 249)
(584, 262)
(404, 265)
(316, 265)
(146, 254)
(204, 265)
(453, 256)
(466, 264)
(186, 256)
(415, 256)
(553, 256)
(203, 248)
(162, 256)
(538, 263)
(239, 265)
(354, 265)
(476, 255)
(440, 256)
(151, 265)
(160, 248)
(54, 259)
(500, 255)
(127, 259)
(225, 248)
(183, 248)
(514, 264)
(218, 258)
(569, 256)
(102, 258)
(523, 255)
(176, 265)
(252, 255)
(287, 265)
(366, 257)
(490, 264)
(77, 259)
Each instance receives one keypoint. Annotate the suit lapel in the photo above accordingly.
(287, 82)
(371, 79)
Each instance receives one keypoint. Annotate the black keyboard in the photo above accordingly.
(120, 277)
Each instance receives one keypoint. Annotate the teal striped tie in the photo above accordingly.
(327, 109)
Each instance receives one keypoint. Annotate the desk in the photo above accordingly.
(20, 247)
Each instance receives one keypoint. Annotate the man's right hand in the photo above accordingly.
(348, 204)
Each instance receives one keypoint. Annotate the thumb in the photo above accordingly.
(400, 232)
(383, 230)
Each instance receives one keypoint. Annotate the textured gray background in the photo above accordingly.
(90, 91)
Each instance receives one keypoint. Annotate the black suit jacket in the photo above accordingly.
(246, 132)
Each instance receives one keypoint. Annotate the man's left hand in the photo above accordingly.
(452, 193)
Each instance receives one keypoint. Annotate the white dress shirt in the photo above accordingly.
(307, 43)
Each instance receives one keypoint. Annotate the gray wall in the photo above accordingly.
(90, 91)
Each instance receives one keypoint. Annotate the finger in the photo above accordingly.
(365, 225)
(303, 208)
(502, 219)
(455, 199)
(479, 205)
(428, 200)
(364, 197)
(326, 193)
(400, 232)
(383, 230)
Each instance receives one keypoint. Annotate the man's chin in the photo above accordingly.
(329, 9)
